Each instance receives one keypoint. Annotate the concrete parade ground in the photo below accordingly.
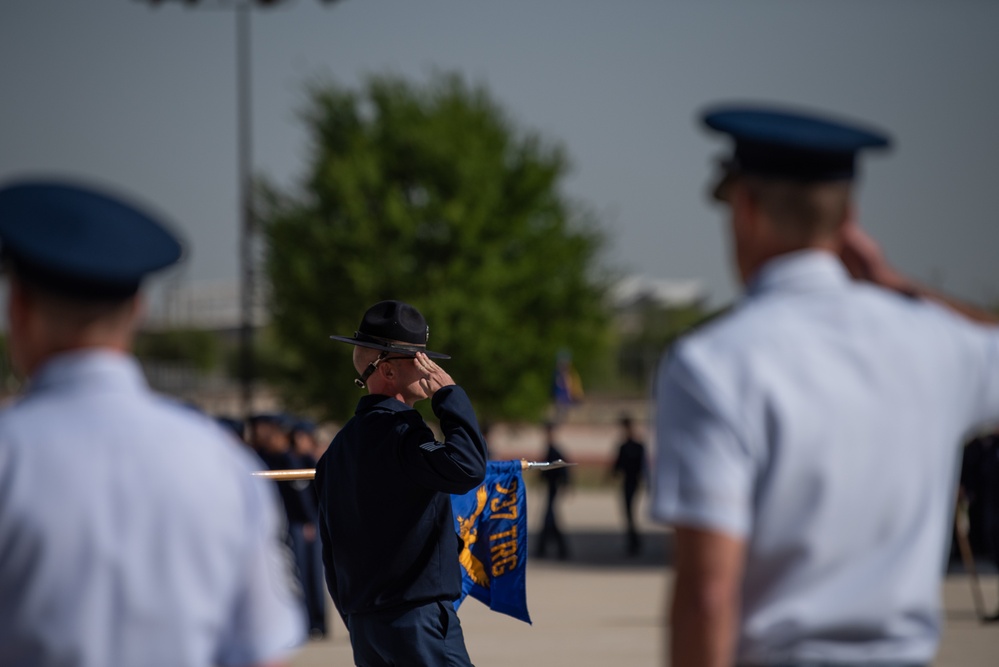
(601, 608)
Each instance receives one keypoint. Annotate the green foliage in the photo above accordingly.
(430, 195)
(197, 348)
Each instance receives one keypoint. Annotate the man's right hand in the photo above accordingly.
(434, 377)
(865, 260)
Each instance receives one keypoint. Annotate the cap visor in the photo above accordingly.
(404, 351)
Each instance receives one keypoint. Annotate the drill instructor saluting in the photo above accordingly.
(389, 545)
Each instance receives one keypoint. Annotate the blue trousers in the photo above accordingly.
(428, 635)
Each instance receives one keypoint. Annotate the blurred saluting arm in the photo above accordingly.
(865, 260)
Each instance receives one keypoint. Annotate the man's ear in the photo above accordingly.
(745, 208)
(137, 307)
(18, 300)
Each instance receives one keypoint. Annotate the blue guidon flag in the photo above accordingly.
(491, 521)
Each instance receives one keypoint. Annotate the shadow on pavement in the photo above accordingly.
(960, 615)
(596, 548)
(982, 566)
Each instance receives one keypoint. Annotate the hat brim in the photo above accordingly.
(401, 349)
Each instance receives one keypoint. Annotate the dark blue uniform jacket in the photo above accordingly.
(385, 512)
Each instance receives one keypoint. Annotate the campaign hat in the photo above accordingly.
(79, 241)
(394, 327)
(791, 144)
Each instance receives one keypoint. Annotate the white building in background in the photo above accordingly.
(213, 306)
(637, 290)
(216, 305)
(634, 295)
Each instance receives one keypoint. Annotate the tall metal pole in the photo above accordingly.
(247, 226)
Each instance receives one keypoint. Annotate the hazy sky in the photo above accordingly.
(144, 99)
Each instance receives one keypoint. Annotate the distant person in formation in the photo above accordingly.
(272, 440)
(384, 484)
(233, 425)
(555, 480)
(980, 483)
(306, 449)
(631, 466)
(807, 439)
(131, 529)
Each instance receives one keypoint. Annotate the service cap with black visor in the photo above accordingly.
(785, 144)
(80, 242)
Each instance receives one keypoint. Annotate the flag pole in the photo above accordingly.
(310, 473)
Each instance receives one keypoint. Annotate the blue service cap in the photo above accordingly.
(306, 425)
(80, 242)
(790, 144)
(282, 420)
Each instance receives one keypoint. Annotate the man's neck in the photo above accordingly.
(36, 363)
(767, 254)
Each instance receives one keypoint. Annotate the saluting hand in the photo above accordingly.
(864, 258)
(434, 377)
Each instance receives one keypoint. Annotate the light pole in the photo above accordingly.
(248, 230)
(247, 224)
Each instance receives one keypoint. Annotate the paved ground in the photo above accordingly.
(600, 608)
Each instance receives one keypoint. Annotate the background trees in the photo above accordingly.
(431, 195)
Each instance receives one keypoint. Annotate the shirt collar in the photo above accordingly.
(800, 271)
(91, 368)
(380, 402)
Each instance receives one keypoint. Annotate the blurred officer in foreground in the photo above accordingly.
(807, 440)
(131, 530)
(388, 534)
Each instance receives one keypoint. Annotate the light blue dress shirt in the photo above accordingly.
(820, 421)
(131, 531)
